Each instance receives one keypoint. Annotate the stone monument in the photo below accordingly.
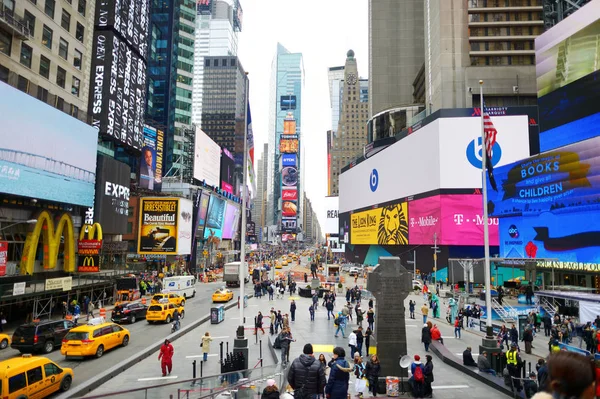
(390, 283)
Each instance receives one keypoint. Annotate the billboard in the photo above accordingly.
(444, 154)
(425, 220)
(331, 215)
(238, 16)
(289, 209)
(289, 176)
(118, 93)
(230, 225)
(227, 171)
(289, 225)
(158, 225)
(3, 257)
(214, 219)
(203, 7)
(51, 156)
(387, 225)
(287, 102)
(289, 194)
(129, 18)
(151, 163)
(184, 226)
(289, 160)
(89, 256)
(207, 159)
(288, 146)
(289, 126)
(202, 201)
(111, 208)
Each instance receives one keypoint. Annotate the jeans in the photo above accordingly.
(312, 316)
(205, 356)
(285, 354)
(359, 348)
(490, 371)
(424, 319)
(293, 315)
(352, 351)
(456, 332)
(330, 312)
(371, 325)
(426, 344)
(340, 328)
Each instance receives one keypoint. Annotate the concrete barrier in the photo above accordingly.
(93, 383)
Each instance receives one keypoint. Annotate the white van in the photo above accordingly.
(182, 285)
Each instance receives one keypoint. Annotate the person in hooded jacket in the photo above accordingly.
(436, 334)
(373, 369)
(426, 337)
(307, 374)
(337, 385)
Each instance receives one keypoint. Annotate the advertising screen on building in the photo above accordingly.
(289, 225)
(331, 215)
(207, 160)
(568, 79)
(289, 194)
(289, 176)
(130, 18)
(203, 7)
(289, 126)
(287, 146)
(151, 164)
(111, 207)
(384, 226)
(202, 201)
(184, 226)
(118, 93)
(227, 171)
(287, 102)
(289, 160)
(238, 16)
(289, 209)
(214, 219)
(54, 157)
(158, 226)
(231, 218)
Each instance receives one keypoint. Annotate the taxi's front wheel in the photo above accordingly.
(66, 383)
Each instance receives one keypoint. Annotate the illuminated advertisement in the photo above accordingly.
(331, 215)
(425, 220)
(288, 237)
(203, 7)
(214, 219)
(227, 171)
(111, 208)
(151, 164)
(289, 225)
(289, 160)
(158, 225)
(289, 194)
(289, 126)
(288, 146)
(232, 213)
(202, 200)
(289, 176)
(387, 225)
(207, 159)
(289, 209)
(287, 102)
(238, 16)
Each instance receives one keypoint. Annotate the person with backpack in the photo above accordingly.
(307, 375)
(340, 323)
(337, 385)
(417, 380)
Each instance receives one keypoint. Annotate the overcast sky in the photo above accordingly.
(322, 31)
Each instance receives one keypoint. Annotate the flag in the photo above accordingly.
(250, 147)
(490, 134)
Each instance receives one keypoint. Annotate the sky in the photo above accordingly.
(323, 31)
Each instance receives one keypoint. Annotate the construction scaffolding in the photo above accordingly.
(557, 10)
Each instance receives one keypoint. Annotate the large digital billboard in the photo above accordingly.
(287, 102)
(289, 209)
(202, 200)
(289, 160)
(118, 94)
(207, 159)
(331, 215)
(289, 194)
(238, 16)
(46, 154)
(130, 18)
(289, 225)
(289, 176)
(203, 7)
(158, 226)
(214, 219)
(387, 225)
(111, 208)
(184, 226)
(288, 146)
(230, 225)
(425, 220)
(151, 163)
(227, 171)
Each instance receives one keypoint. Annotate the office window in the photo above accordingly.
(79, 32)
(23, 84)
(5, 42)
(65, 20)
(4, 74)
(49, 8)
(75, 86)
(30, 21)
(63, 48)
(77, 59)
(26, 54)
(45, 67)
(33, 1)
(74, 111)
(42, 94)
(47, 37)
(61, 77)
(81, 7)
(60, 103)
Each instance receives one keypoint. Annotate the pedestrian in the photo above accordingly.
(371, 318)
(337, 385)
(373, 369)
(428, 371)
(258, 324)
(411, 308)
(293, 310)
(528, 339)
(285, 338)
(340, 322)
(570, 375)
(349, 308)
(360, 385)
(359, 340)
(352, 342)
(457, 328)
(359, 315)
(370, 303)
(166, 358)
(513, 365)
(311, 310)
(305, 278)
(90, 310)
(329, 307)
(307, 375)
(426, 337)
(417, 379)
(425, 312)
(323, 362)
(271, 391)
(483, 364)
(368, 334)
(205, 344)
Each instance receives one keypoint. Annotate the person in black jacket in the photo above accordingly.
(428, 371)
(468, 357)
(337, 385)
(293, 310)
(373, 370)
(307, 374)
(271, 391)
(426, 337)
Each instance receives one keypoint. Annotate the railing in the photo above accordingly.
(251, 382)
(548, 307)
(507, 316)
(18, 24)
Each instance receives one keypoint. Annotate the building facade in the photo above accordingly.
(46, 49)
(260, 200)
(216, 35)
(348, 139)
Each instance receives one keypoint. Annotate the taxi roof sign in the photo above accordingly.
(96, 321)
(163, 300)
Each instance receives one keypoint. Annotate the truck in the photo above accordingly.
(182, 285)
(231, 274)
(128, 289)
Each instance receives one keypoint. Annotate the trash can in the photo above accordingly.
(392, 385)
(217, 314)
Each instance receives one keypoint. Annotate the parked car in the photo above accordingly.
(355, 271)
(42, 336)
(129, 312)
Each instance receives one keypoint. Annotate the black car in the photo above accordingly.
(129, 312)
(42, 336)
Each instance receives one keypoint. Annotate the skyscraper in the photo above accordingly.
(287, 83)
(260, 200)
(216, 35)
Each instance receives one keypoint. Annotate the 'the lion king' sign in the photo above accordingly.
(382, 226)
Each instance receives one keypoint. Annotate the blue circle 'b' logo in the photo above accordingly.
(474, 154)
(374, 180)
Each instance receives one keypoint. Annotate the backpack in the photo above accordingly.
(419, 376)
(336, 321)
(277, 343)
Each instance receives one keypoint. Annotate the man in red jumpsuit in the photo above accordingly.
(165, 356)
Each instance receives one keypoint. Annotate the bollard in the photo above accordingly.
(529, 367)
(201, 369)
(227, 347)
(221, 351)
(194, 369)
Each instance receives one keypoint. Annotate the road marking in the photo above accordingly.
(193, 356)
(223, 337)
(170, 377)
(408, 325)
(450, 387)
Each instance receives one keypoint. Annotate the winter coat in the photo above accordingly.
(373, 370)
(269, 395)
(436, 335)
(483, 363)
(292, 307)
(352, 340)
(206, 340)
(337, 385)
(308, 373)
(426, 335)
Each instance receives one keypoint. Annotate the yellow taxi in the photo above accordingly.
(4, 341)
(295, 258)
(173, 298)
(93, 339)
(164, 311)
(278, 265)
(32, 377)
(222, 295)
(285, 263)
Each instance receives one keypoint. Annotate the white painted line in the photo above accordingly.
(170, 377)
(194, 356)
(449, 337)
(450, 387)
(234, 318)
(223, 337)
(408, 325)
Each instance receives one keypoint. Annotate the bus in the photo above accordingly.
(182, 285)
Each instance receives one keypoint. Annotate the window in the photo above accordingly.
(45, 67)
(5, 42)
(47, 37)
(77, 59)
(22, 84)
(29, 20)
(63, 48)
(26, 54)
(79, 32)
(9, 5)
(74, 111)
(49, 8)
(82, 5)
(61, 77)
(51, 369)
(4, 74)
(129, 227)
(34, 375)
(60, 102)
(75, 86)
(42, 94)
(16, 383)
(65, 20)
